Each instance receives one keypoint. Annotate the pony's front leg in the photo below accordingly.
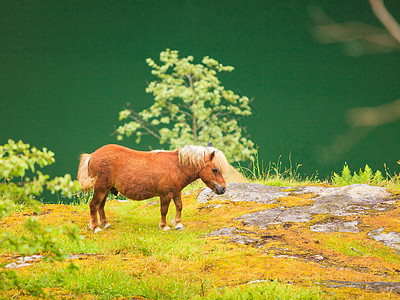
(164, 205)
(178, 205)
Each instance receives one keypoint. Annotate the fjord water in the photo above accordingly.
(69, 67)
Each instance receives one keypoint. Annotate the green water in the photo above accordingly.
(69, 67)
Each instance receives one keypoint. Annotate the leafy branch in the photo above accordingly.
(18, 160)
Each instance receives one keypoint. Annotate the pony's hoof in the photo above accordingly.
(97, 229)
(179, 226)
(107, 225)
(165, 228)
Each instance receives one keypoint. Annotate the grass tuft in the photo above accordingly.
(276, 174)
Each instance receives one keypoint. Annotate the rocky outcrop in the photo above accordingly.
(287, 223)
(353, 200)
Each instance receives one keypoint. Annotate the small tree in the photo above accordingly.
(191, 107)
(17, 160)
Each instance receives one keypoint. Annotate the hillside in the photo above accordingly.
(297, 242)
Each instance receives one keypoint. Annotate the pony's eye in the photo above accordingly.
(215, 171)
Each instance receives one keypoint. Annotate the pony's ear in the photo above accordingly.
(212, 154)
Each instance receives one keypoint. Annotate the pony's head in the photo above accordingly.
(211, 162)
(212, 175)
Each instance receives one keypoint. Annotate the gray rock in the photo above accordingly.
(228, 231)
(354, 193)
(24, 261)
(244, 240)
(376, 286)
(246, 192)
(339, 201)
(17, 265)
(348, 200)
(356, 199)
(234, 234)
(274, 216)
(391, 239)
(337, 226)
(256, 281)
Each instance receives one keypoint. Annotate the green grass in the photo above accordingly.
(135, 258)
(108, 283)
(352, 246)
(263, 290)
(276, 174)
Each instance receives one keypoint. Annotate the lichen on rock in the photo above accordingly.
(339, 228)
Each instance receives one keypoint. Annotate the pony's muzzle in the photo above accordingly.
(219, 190)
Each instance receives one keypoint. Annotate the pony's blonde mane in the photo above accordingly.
(194, 155)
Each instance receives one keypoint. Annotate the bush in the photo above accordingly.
(21, 183)
(367, 176)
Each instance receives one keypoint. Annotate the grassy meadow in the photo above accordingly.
(135, 260)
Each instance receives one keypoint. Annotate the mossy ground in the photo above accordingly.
(135, 258)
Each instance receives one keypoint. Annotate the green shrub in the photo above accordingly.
(367, 176)
(20, 184)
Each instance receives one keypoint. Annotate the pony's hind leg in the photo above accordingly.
(94, 205)
(102, 214)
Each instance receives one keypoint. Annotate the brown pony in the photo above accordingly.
(142, 175)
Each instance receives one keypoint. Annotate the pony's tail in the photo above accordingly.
(84, 179)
